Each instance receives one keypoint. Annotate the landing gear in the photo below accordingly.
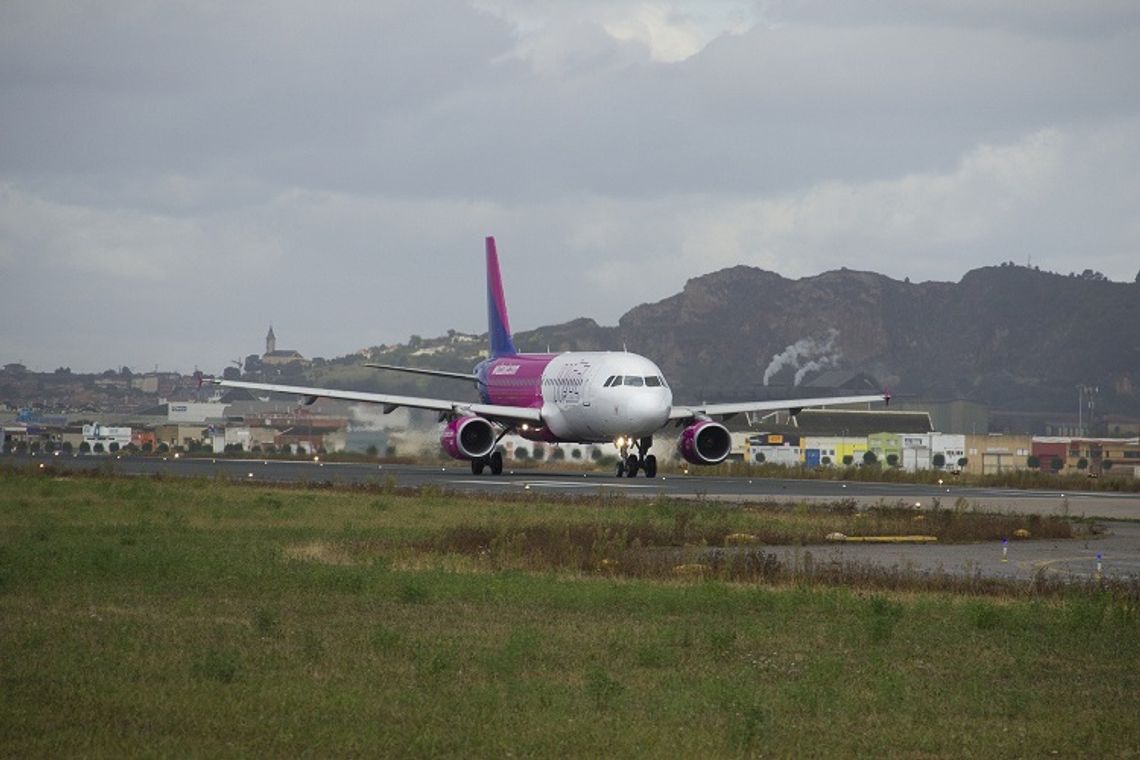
(629, 464)
(494, 460)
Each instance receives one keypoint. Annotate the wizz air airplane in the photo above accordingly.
(572, 397)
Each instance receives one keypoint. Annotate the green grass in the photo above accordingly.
(195, 617)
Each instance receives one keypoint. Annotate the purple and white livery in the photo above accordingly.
(572, 397)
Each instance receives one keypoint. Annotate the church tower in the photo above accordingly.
(270, 341)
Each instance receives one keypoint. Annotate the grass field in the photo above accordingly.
(170, 617)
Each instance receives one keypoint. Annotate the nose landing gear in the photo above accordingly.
(629, 464)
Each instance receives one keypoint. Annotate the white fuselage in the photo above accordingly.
(601, 396)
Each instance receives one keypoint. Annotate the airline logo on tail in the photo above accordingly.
(497, 325)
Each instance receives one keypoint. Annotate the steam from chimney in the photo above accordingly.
(806, 355)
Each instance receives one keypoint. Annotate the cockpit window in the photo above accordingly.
(616, 382)
(653, 381)
(634, 380)
(609, 381)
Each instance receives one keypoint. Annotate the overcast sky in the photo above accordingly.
(174, 177)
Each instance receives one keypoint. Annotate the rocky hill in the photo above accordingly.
(1009, 336)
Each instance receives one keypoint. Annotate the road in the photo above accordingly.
(1119, 546)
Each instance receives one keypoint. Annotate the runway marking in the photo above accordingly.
(575, 484)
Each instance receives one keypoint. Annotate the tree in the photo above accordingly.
(559, 454)
(892, 460)
(67, 447)
(825, 461)
(939, 460)
(848, 460)
(1033, 461)
(113, 447)
(1056, 463)
(962, 462)
(1106, 465)
(1082, 464)
(869, 458)
(231, 373)
(372, 451)
(575, 453)
(163, 447)
(84, 447)
(147, 447)
(521, 452)
(98, 447)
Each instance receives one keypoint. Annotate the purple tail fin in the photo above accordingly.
(497, 325)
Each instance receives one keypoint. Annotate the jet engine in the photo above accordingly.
(705, 442)
(468, 437)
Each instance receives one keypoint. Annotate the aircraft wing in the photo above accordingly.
(496, 412)
(425, 371)
(693, 411)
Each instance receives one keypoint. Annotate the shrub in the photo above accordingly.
(1082, 464)
(1034, 462)
(848, 460)
(962, 462)
(98, 448)
(1056, 463)
(869, 458)
(521, 452)
(113, 447)
(939, 460)
(1106, 464)
(892, 460)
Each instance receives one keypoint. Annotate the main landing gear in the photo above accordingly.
(629, 464)
(494, 460)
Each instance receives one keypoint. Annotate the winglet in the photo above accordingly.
(498, 327)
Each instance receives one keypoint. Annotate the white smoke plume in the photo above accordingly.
(806, 355)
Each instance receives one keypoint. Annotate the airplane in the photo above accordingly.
(569, 397)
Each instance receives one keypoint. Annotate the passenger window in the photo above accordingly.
(633, 380)
(653, 382)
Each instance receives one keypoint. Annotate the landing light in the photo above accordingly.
(525, 426)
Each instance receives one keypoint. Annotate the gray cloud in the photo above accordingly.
(209, 169)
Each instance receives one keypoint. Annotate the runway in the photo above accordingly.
(1119, 514)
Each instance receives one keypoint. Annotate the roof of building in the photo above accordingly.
(848, 379)
(283, 354)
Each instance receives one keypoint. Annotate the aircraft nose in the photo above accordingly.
(648, 411)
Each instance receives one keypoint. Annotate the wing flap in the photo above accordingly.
(727, 410)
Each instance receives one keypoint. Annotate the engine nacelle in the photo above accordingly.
(468, 438)
(705, 442)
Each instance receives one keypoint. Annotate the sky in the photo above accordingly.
(177, 176)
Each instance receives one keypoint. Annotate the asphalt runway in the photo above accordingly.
(1119, 514)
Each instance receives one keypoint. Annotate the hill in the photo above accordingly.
(1008, 336)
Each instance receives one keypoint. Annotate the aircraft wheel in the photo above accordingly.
(631, 466)
(651, 466)
(477, 465)
(497, 463)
